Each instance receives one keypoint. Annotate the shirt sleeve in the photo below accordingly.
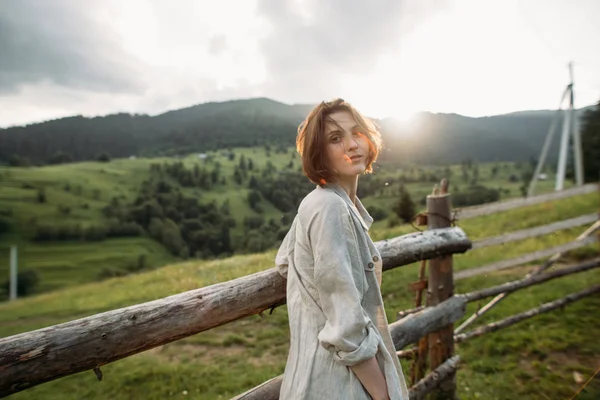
(348, 332)
(282, 259)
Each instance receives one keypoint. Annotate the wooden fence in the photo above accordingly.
(39, 356)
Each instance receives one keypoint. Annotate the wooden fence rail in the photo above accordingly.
(536, 231)
(487, 209)
(513, 319)
(526, 258)
(531, 280)
(35, 357)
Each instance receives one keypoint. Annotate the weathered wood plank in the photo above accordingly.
(494, 326)
(458, 338)
(268, 390)
(538, 270)
(35, 357)
(434, 378)
(411, 328)
(440, 343)
(536, 231)
(514, 262)
(477, 211)
(531, 280)
(424, 245)
(31, 358)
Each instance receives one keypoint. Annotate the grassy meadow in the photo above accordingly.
(535, 359)
(76, 194)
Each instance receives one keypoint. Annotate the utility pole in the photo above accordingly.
(13, 273)
(570, 127)
(546, 146)
(575, 133)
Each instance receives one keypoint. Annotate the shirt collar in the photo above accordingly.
(360, 211)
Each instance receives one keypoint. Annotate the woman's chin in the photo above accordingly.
(355, 171)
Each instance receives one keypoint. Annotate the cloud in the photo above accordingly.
(314, 44)
(67, 43)
(217, 45)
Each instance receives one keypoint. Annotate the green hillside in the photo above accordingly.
(428, 138)
(535, 359)
(57, 214)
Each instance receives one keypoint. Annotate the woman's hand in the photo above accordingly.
(371, 377)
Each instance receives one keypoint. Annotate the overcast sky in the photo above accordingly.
(388, 57)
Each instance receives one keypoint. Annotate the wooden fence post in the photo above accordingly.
(440, 287)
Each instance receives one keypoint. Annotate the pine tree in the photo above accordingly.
(590, 144)
(405, 209)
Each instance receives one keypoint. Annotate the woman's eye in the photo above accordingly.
(335, 139)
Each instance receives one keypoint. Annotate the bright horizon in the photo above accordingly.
(390, 59)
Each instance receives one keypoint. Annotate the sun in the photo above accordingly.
(404, 115)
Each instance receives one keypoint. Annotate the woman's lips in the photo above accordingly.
(353, 158)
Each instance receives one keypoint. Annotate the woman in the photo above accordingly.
(340, 345)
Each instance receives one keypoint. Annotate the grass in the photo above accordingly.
(76, 194)
(68, 264)
(535, 359)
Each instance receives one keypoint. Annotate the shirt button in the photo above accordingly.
(370, 265)
(375, 258)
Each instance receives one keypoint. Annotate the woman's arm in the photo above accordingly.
(371, 377)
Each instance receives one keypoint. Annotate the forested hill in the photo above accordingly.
(429, 138)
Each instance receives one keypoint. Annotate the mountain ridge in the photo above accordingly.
(430, 137)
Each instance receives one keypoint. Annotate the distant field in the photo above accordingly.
(535, 359)
(76, 194)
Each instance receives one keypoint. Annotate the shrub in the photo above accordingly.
(104, 157)
(95, 233)
(106, 273)
(27, 281)
(4, 226)
(124, 229)
(41, 196)
(377, 213)
(474, 195)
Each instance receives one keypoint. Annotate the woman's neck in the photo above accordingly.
(350, 185)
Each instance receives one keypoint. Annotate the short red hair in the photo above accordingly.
(311, 143)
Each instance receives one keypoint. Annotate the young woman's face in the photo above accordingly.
(347, 146)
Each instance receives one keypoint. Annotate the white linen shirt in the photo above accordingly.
(336, 312)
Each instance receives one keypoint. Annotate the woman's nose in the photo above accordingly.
(351, 143)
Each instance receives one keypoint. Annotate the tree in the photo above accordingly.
(253, 198)
(60, 158)
(494, 172)
(253, 184)
(237, 176)
(103, 157)
(41, 196)
(590, 144)
(171, 238)
(405, 209)
(225, 209)
(17, 161)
